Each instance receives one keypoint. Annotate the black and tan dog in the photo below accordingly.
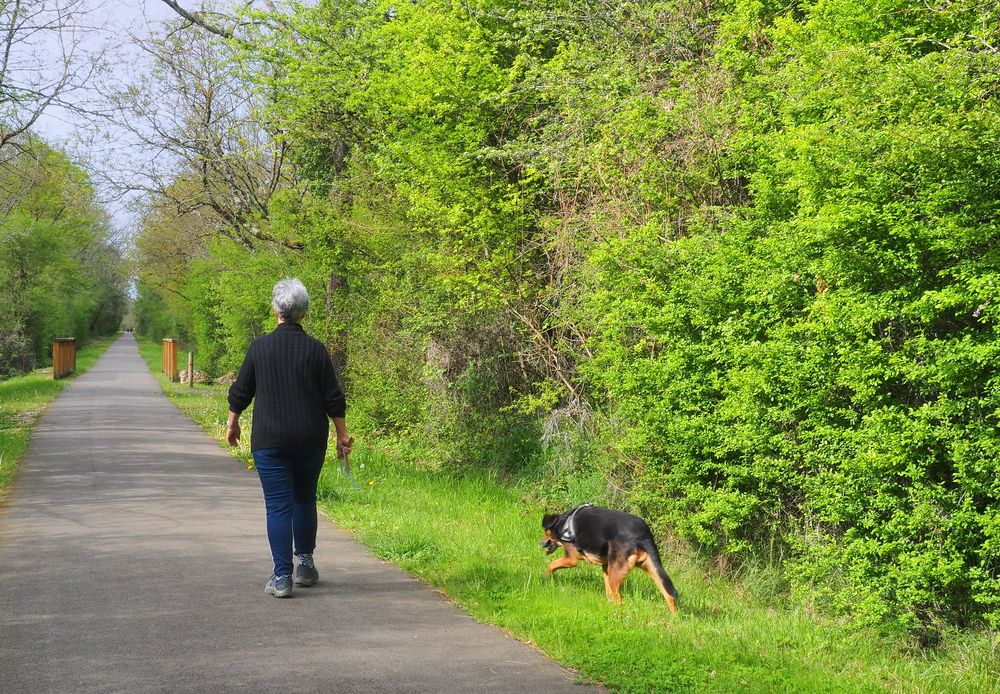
(617, 541)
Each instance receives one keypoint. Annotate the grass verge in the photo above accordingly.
(22, 401)
(477, 540)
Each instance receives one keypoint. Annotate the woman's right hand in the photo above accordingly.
(344, 444)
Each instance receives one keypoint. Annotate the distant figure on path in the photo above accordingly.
(291, 375)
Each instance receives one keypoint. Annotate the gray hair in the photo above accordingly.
(290, 299)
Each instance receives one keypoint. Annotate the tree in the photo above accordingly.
(60, 272)
(196, 118)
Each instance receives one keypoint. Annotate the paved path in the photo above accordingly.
(133, 559)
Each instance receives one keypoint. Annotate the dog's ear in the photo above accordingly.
(549, 520)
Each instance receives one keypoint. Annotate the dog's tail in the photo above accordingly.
(654, 559)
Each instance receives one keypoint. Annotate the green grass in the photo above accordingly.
(477, 541)
(23, 399)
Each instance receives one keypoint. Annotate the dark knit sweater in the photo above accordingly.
(292, 378)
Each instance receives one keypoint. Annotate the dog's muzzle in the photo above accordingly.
(549, 544)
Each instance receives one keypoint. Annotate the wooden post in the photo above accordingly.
(170, 358)
(63, 356)
(190, 369)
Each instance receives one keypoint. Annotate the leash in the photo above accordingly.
(341, 453)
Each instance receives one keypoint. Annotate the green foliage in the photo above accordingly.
(818, 367)
(731, 265)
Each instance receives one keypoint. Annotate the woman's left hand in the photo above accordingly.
(233, 434)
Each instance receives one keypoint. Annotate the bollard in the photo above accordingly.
(190, 369)
(63, 356)
(170, 358)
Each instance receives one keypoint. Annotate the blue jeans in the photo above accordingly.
(288, 477)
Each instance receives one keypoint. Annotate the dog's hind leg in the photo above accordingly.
(652, 566)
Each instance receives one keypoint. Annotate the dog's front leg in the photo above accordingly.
(571, 559)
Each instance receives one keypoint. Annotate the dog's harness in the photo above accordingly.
(567, 531)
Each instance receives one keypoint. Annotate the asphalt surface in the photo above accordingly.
(133, 558)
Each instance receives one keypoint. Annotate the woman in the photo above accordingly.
(292, 378)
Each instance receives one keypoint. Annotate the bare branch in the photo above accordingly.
(199, 19)
(43, 63)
